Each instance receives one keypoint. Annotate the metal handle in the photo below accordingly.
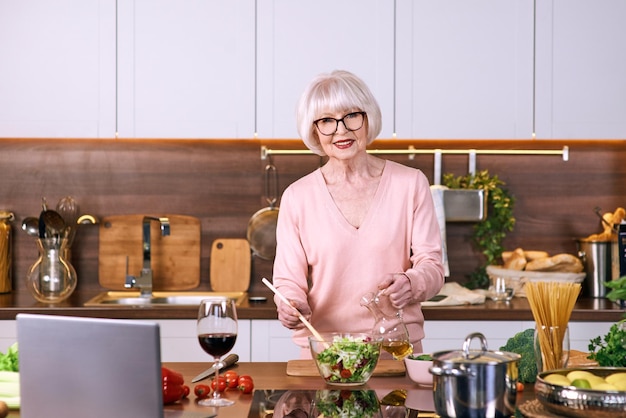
(468, 341)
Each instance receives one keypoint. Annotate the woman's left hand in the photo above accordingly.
(397, 287)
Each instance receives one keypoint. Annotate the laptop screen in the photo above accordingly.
(76, 367)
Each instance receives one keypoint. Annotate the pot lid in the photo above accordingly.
(482, 356)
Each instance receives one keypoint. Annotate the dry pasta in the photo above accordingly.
(551, 304)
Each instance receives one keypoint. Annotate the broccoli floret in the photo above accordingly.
(522, 343)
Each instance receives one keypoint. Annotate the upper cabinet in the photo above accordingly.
(57, 68)
(297, 40)
(464, 69)
(581, 69)
(186, 68)
(479, 69)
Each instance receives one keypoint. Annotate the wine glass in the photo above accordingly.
(217, 333)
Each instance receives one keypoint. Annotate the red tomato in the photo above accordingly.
(244, 377)
(520, 387)
(186, 391)
(345, 373)
(201, 391)
(219, 384)
(246, 386)
(232, 379)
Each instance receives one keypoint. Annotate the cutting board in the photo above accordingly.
(175, 258)
(230, 265)
(308, 368)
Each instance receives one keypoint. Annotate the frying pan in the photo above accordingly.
(261, 231)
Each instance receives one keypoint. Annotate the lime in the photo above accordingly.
(581, 384)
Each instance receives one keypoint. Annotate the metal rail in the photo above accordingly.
(411, 151)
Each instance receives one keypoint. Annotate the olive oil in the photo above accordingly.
(398, 349)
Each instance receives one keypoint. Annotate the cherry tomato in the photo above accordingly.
(246, 386)
(232, 379)
(202, 391)
(244, 377)
(186, 391)
(520, 387)
(219, 384)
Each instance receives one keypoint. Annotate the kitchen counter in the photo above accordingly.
(270, 377)
(586, 309)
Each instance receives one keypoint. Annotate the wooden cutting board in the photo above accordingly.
(175, 259)
(230, 265)
(308, 368)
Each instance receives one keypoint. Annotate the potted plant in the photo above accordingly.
(489, 234)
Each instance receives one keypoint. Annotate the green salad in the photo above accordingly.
(348, 359)
(346, 403)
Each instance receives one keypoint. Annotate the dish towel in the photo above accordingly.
(453, 294)
(437, 193)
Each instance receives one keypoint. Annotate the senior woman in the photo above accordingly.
(344, 227)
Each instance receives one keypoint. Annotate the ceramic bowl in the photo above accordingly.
(418, 370)
(345, 359)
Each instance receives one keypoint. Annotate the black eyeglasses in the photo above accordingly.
(352, 121)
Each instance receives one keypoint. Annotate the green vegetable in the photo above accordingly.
(610, 351)
(618, 289)
(10, 389)
(490, 233)
(348, 359)
(10, 360)
(522, 343)
(423, 357)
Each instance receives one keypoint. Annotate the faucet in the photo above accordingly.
(144, 281)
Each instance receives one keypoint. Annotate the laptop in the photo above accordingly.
(75, 367)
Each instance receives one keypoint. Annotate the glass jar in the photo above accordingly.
(52, 278)
(551, 346)
(6, 252)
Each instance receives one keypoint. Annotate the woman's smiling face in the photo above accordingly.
(344, 143)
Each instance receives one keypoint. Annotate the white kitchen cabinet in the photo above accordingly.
(271, 341)
(464, 69)
(57, 71)
(581, 88)
(186, 68)
(449, 335)
(299, 39)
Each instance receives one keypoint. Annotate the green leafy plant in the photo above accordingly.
(618, 289)
(490, 233)
(610, 350)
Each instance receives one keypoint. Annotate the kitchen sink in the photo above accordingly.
(160, 299)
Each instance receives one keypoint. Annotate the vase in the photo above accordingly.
(551, 346)
(52, 278)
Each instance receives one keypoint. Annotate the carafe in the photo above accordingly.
(388, 324)
(52, 278)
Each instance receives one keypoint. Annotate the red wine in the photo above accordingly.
(217, 344)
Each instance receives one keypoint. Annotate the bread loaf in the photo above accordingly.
(528, 255)
(517, 260)
(566, 263)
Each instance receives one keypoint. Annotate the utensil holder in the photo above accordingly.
(52, 278)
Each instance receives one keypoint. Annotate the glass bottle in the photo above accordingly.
(388, 324)
(6, 252)
(52, 278)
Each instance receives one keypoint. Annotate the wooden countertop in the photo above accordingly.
(269, 377)
(592, 310)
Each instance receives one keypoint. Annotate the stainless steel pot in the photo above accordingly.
(475, 383)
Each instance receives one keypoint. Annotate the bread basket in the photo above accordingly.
(520, 277)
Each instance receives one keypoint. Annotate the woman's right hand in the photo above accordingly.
(288, 315)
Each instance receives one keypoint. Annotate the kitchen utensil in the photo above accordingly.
(227, 362)
(606, 223)
(384, 368)
(230, 265)
(316, 334)
(67, 207)
(475, 383)
(175, 259)
(31, 226)
(575, 402)
(601, 261)
(51, 224)
(261, 232)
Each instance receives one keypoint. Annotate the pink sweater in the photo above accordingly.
(399, 234)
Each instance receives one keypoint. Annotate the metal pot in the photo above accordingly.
(475, 383)
(261, 231)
